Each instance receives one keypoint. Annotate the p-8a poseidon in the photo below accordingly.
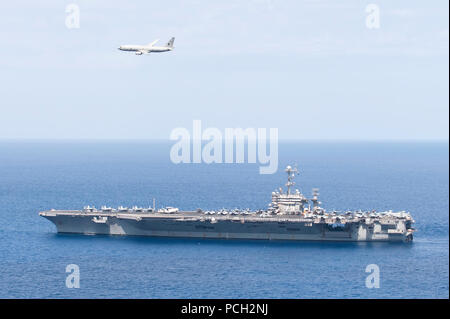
(149, 48)
(290, 216)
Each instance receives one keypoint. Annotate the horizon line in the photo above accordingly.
(343, 140)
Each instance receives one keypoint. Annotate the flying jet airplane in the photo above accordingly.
(146, 49)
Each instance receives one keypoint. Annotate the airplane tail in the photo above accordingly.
(170, 43)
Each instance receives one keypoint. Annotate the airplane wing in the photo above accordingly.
(153, 43)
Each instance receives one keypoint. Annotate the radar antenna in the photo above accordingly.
(291, 174)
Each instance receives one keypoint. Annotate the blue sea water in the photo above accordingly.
(37, 176)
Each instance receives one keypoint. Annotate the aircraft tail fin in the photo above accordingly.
(170, 43)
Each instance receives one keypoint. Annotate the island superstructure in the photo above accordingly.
(290, 216)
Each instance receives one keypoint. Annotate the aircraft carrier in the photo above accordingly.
(290, 216)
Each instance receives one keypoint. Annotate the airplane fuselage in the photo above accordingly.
(144, 49)
(149, 48)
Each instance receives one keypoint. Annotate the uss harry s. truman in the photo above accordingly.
(290, 216)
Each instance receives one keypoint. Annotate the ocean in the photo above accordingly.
(40, 175)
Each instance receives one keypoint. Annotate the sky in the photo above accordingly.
(312, 68)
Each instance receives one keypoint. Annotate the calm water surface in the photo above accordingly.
(37, 176)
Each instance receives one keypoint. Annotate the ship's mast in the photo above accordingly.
(291, 174)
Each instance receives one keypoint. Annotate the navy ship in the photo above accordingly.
(290, 216)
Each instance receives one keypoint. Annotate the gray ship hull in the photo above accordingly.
(192, 225)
